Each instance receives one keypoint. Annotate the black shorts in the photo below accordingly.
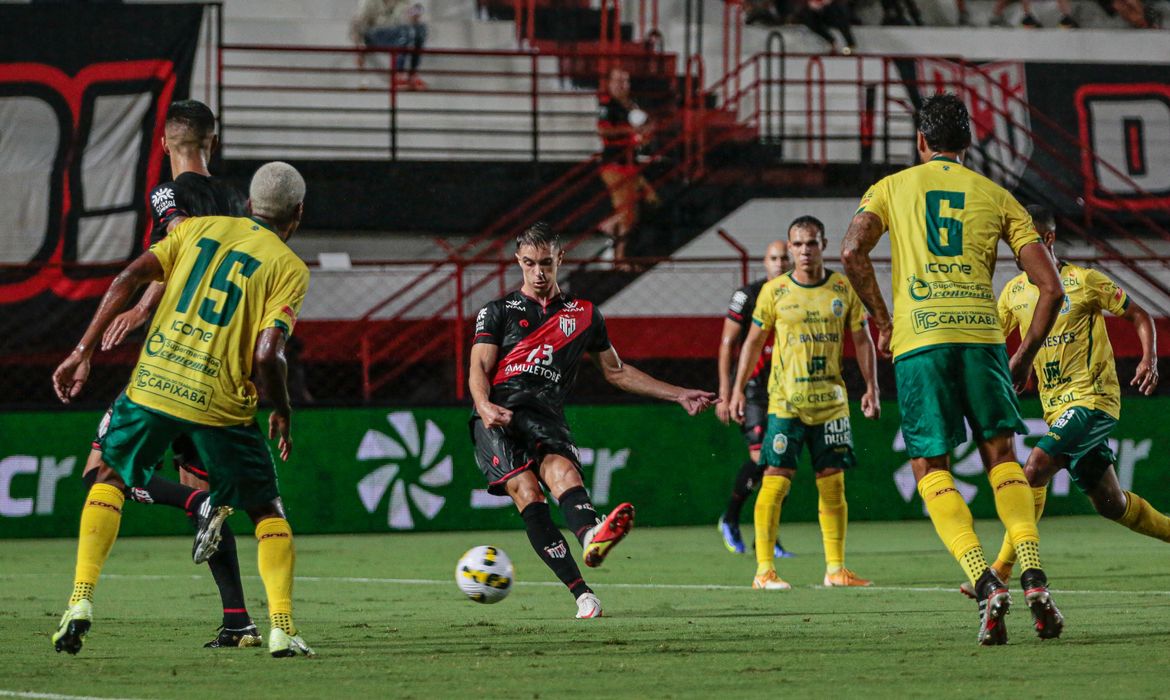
(186, 456)
(755, 415)
(502, 453)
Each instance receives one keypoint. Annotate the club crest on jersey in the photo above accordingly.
(568, 325)
(838, 308)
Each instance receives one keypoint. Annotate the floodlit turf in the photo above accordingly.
(681, 620)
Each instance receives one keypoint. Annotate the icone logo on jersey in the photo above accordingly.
(415, 467)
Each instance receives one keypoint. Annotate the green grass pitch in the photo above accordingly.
(386, 619)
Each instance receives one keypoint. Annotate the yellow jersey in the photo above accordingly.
(1075, 365)
(945, 222)
(809, 325)
(227, 280)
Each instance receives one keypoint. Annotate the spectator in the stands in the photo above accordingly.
(623, 126)
(900, 13)
(1138, 14)
(395, 24)
(822, 15)
(964, 15)
(1029, 21)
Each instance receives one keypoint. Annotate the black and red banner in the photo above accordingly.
(83, 94)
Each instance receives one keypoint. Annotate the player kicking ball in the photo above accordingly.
(1080, 391)
(524, 360)
(808, 311)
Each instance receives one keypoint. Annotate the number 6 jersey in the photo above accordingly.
(540, 347)
(945, 222)
(227, 280)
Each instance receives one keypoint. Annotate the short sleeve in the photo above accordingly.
(284, 303)
(764, 315)
(169, 248)
(489, 326)
(607, 113)
(1105, 293)
(163, 209)
(1007, 320)
(876, 202)
(1018, 228)
(598, 335)
(736, 306)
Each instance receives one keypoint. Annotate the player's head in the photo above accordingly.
(618, 82)
(189, 129)
(944, 126)
(1045, 223)
(277, 195)
(806, 243)
(538, 251)
(776, 260)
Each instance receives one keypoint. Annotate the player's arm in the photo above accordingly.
(727, 348)
(864, 232)
(1146, 376)
(134, 317)
(749, 355)
(70, 375)
(1037, 264)
(635, 381)
(483, 361)
(272, 371)
(867, 360)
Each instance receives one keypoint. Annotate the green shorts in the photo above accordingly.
(830, 444)
(1082, 435)
(239, 465)
(940, 386)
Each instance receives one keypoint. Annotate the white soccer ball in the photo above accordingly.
(637, 118)
(484, 574)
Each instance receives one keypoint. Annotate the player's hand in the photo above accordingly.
(122, 325)
(738, 400)
(1146, 376)
(723, 410)
(1020, 370)
(494, 416)
(70, 376)
(695, 401)
(885, 333)
(871, 408)
(281, 425)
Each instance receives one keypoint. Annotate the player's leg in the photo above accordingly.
(1094, 474)
(831, 444)
(236, 627)
(241, 475)
(133, 443)
(929, 384)
(747, 478)
(783, 442)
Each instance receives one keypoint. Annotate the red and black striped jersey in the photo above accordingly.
(739, 310)
(611, 113)
(541, 345)
(191, 194)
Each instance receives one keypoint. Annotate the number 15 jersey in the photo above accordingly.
(227, 280)
(945, 222)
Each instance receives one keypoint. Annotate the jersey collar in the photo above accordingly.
(792, 276)
(946, 158)
(265, 224)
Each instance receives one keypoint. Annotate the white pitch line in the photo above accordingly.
(50, 696)
(637, 586)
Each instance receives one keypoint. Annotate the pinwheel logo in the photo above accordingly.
(414, 466)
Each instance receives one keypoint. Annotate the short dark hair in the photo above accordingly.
(945, 123)
(1042, 217)
(538, 235)
(193, 115)
(807, 221)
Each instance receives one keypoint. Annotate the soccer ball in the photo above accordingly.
(484, 574)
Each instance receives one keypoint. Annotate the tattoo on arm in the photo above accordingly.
(863, 234)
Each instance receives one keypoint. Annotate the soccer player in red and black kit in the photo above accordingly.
(189, 140)
(524, 359)
(735, 328)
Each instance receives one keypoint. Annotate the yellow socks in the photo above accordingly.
(100, 519)
(833, 513)
(773, 489)
(1143, 518)
(276, 558)
(1007, 552)
(1017, 511)
(952, 521)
